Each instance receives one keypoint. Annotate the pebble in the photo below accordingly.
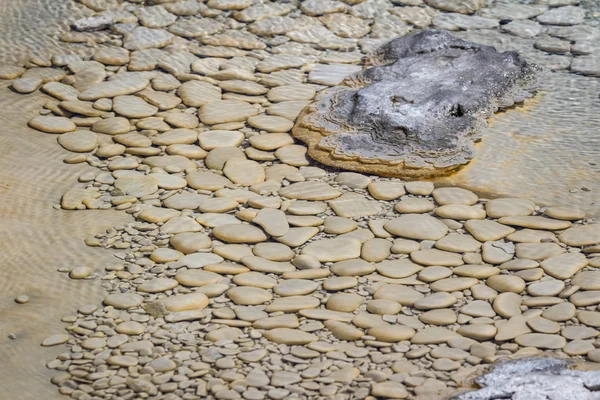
(55, 340)
(333, 249)
(290, 336)
(239, 233)
(50, 124)
(80, 272)
(541, 341)
(417, 226)
(249, 295)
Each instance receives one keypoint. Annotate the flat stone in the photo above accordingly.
(560, 312)
(78, 141)
(157, 285)
(458, 243)
(568, 15)
(507, 304)
(414, 205)
(438, 317)
(546, 288)
(386, 190)
(538, 251)
(478, 331)
(122, 361)
(397, 268)
(198, 93)
(436, 257)
(51, 124)
(543, 325)
(194, 277)
(535, 222)
(541, 341)
(185, 302)
(343, 331)
(223, 334)
(454, 195)
(509, 207)
(249, 295)
(486, 231)
(391, 333)
(344, 302)
(574, 332)
(293, 304)
(323, 314)
(296, 237)
(460, 212)
(585, 298)
(356, 267)
(271, 141)
(331, 74)
(383, 306)
(333, 249)
(416, 226)
(587, 280)
(113, 88)
(224, 111)
(142, 38)
(309, 191)
(564, 213)
(290, 336)
(581, 235)
(270, 123)
(401, 294)
(55, 340)
(244, 172)
(432, 274)
(389, 390)
(137, 186)
(506, 283)
(118, 126)
(263, 265)
(295, 287)
(123, 300)
(530, 236)
(351, 205)
(564, 266)
(434, 335)
(434, 301)
(478, 308)
(589, 318)
(476, 271)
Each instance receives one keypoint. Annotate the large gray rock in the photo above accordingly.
(418, 110)
(536, 378)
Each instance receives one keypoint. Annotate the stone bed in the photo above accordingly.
(253, 272)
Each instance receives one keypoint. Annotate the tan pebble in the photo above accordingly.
(80, 272)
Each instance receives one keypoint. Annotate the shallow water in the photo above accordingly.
(37, 239)
(548, 151)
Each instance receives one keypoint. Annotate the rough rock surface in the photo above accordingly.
(536, 378)
(394, 120)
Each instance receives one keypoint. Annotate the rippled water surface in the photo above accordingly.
(37, 239)
(548, 151)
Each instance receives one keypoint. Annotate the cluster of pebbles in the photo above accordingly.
(250, 271)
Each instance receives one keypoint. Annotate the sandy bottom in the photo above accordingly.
(37, 239)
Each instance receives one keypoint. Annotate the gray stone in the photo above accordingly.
(535, 378)
(404, 102)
